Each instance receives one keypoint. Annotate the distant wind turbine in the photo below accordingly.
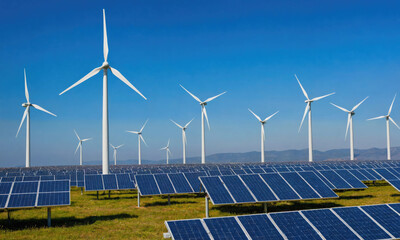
(308, 101)
(26, 115)
(105, 67)
(262, 132)
(387, 126)
(203, 114)
(80, 146)
(115, 152)
(168, 152)
(350, 124)
(140, 138)
(184, 141)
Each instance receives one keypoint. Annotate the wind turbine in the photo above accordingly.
(105, 66)
(168, 152)
(184, 141)
(350, 124)
(80, 146)
(115, 152)
(26, 115)
(140, 138)
(263, 132)
(308, 101)
(203, 114)
(387, 126)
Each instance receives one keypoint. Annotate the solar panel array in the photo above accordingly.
(363, 222)
(34, 194)
(265, 187)
(108, 182)
(391, 175)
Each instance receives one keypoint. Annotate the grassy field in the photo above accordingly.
(118, 217)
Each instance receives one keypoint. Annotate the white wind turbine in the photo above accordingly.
(387, 126)
(350, 124)
(26, 115)
(105, 67)
(184, 141)
(115, 152)
(263, 132)
(80, 146)
(308, 101)
(168, 152)
(140, 138)
(203, 114)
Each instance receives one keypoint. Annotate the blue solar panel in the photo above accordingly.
(386, 217)
(329, 225)
(110, 182)
(214, 173)
(187, 229)
(258, 187)
(239, 171)
(124, 182)
(237, 188)
(257, 170)
(335, 179)
(22, 200)
(300, 186)
(318, 185)
(386, 174)
(3, 200)
(368, 175)
(216, 190)
(47, 178)
(351, 179)
(7, 179)
(279, 186)
(53, 199)
(374, 174)
(361, 223)
(54, 186)
(358, 175)
(225, 228)
(260, 227)
(25, 187)
(5, 187)
(31, 178)
(324, 179)
(294, 226)
(395, 184)
(194, 181)
(180, 183)
(93, 183)
(147, 184)
(396, 207)
(164, 183)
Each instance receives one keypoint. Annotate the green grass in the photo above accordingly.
(119, 216)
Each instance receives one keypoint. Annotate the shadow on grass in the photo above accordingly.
(17, 224)
(356, 197)
(395, 195)
(165, 203)
(191, 195)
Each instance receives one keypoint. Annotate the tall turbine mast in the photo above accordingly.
(167, 151)
(184, 141)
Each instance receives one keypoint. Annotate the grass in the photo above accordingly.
(118, 217)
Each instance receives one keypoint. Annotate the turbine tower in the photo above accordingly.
(115, 152)
(308, 101)
(387, 126)
(168, 152)
(80, 146)
(184, 141)
(203, 115)
(263, 132)
(26, 115)
(140, 138)
(350, 124)
(105, 66)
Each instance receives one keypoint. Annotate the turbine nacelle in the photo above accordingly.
(26, 104)
(203, 103)
(105, 65)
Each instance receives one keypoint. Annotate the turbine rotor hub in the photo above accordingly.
(26, 104)
(105, 65)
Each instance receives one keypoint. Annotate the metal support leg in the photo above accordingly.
(81, 190)
(97, 195)
(265, 207)
(207, 209)
(49, 217)
(109, 193)
(138, 199)
(169, 200)
(9, 215)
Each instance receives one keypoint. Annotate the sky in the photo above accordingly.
(251, 49)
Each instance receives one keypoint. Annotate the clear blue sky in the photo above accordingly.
(249, 48)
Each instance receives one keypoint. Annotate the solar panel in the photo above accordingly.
(358, 175)
(5, 187)
(239, 171)
(279, 186)
(335, 179)
(258, 187)
(187, 229)
(22, 200)
(193, 179)
(25, 187)
(3, 200)
(361, 223)
(237, 188)
(47, 178)
(318, 185)
(54, 186)
(180, 183)
(260, 227)
(164, 183)
(124, 182)
(395, 184)
(294, 226)
(216, 190)
(350, 179)
(225, 228)
(386, 217)
(110, 182)
(53, 199)
(368, 175)
(396, 207)
(329, 225)
(93, 183)
(31, 178)
(300, 186)
(385, 174)
(147, 184)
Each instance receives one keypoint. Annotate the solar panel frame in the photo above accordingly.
(216, 190)
(259, 188)
(217, 230)
(282, 189)
(194, 229)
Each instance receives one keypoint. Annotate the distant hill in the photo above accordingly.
(282, 156)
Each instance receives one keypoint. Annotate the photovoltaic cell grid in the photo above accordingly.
(365, 222)
(102, 182)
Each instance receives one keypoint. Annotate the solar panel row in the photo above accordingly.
(108, 182)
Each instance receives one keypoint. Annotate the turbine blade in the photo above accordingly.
(120, 146)
(341, 108)
(26, 88)
(87, 139)
(176, 123)
(391, 119)
(79, 144)
(268, 118)
(376, 118)
(391, 105)
(144, 125)
(163, 148)
(356, 106)
(141, 137)
(348, 124)
(86, 77)
(255, 115)
(105, 41)
(133, 132)
(319, 98)
(304, 115)
(196, 98)
(301, 86)
(168, 143)
(187, 124)
(42, 109)
(123, 79)
(112, 146)
(169, 152)
(23, 119)
(212, 98)
(77, 135)
(205, 115)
